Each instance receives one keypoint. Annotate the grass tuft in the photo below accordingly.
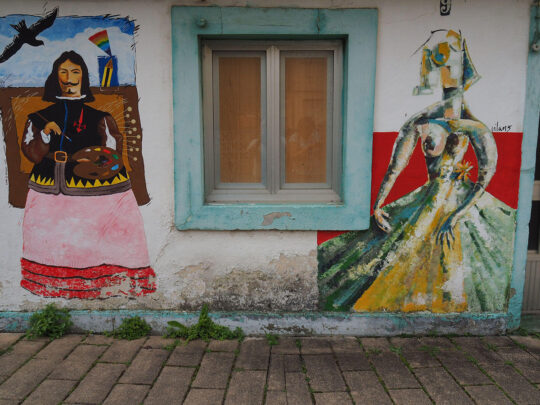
(272, 339)
(131, 328)
(51, 321)
(204, 329)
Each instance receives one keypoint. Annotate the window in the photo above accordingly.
(273, 117)
(272, 121)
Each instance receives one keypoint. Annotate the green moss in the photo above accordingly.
(204, 329)
(51, 321)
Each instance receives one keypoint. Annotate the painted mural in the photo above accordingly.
(446, 244)
(73, 147)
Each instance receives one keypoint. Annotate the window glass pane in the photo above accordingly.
(305, 119)
(240, 119)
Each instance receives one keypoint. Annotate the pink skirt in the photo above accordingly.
(85, 247)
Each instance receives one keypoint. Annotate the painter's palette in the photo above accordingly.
(97, 162)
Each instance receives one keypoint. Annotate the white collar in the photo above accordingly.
(71, 98)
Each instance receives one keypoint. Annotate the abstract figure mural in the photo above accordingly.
(83, 235)
(448, 245)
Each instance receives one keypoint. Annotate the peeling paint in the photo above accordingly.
(269, 218)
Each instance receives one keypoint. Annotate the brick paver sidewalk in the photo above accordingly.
(95, 369)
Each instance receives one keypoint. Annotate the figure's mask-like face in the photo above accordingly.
(69, 79)
(446, 62)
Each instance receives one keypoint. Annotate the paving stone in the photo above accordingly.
(514, 384)
(78, 362)
(171, 386)
(273, 398)
(366, 388)
(344, 344)
(499, 341)
(59, 348)
(279, 365)
(315, 345)
(223, 345)
(214, 371)
(189, 354)
(99, 340)
(410, 397)
(127, 394)
(332, 398)
(7, 339)
(393, 372)
(375, 344)
(286, 345)
(157, 342)
(21, 352)
(467, 374)
(297, 389)
(441, 343)
(488, 395)
(456, 357)
(204, 397)
(145, 367)
(441, 386)
(531, 373)
(409, 344)
(95, 386)
(254, 354)
(246, 387)
(478, 350)
(517, 355)
(9, 402)
(50, 392)
(525, 362)
(25, 379)
(420, 359)
(323, 373)
(531, 343)
(122, 351)
(349, 354)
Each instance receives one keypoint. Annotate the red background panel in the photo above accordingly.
(504, 185)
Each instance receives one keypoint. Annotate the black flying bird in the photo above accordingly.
(27, 35)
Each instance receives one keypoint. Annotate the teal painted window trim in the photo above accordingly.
(526, 179)
(358, 27)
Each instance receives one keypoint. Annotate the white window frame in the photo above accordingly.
(273, 188)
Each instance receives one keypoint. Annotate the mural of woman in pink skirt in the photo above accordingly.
(83, 234)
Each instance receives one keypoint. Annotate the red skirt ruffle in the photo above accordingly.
(102, 281)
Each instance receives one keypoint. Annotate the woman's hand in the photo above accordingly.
(446, 233)
(381, 218)
(52, 127)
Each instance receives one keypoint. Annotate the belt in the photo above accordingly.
(59, 156)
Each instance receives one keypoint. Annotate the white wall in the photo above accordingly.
(267, 270)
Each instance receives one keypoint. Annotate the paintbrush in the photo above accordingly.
(46, 120)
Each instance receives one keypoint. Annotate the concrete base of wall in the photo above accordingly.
(290, 323)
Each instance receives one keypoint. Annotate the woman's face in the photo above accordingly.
(447, 56)
(69, 79)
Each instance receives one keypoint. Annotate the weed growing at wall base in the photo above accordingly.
(272, 339)
(204, 329)
(131, 329)
(51, 321)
